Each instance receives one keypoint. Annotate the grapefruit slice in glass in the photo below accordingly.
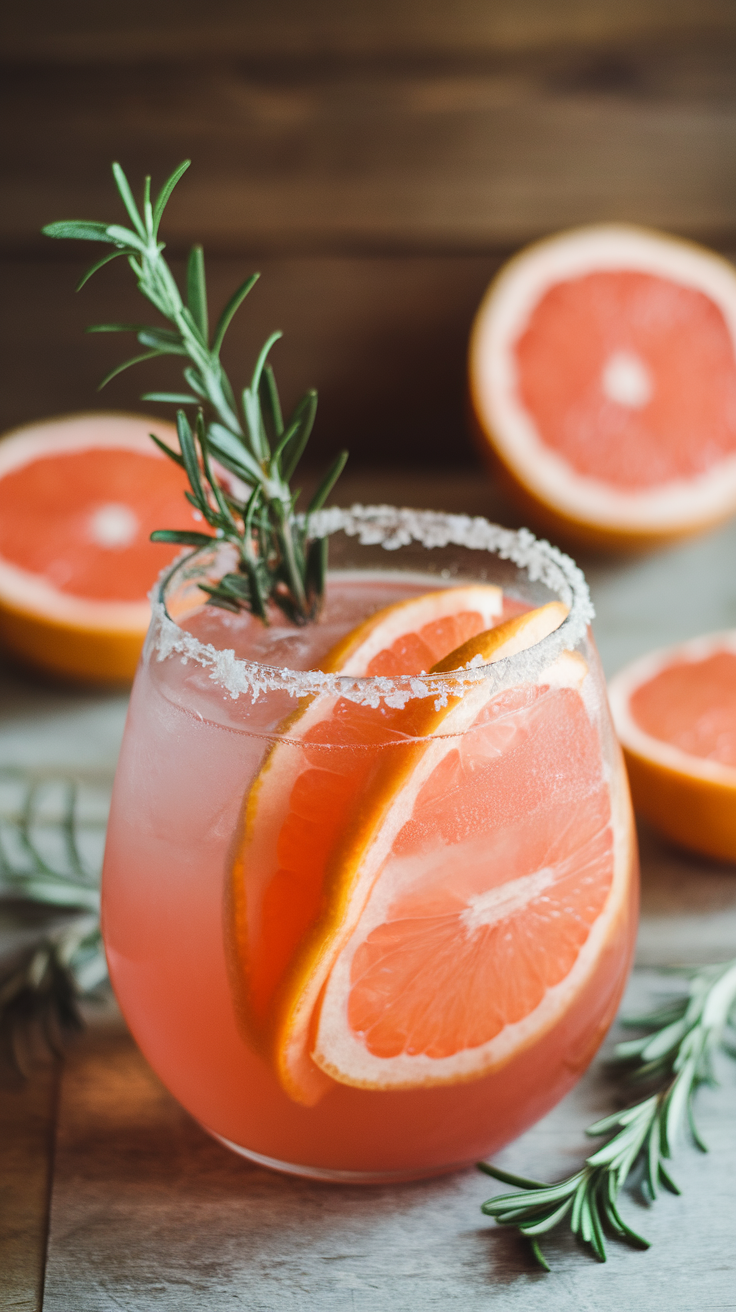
(482, 852)
(79, 497)
(675, 715)
(602, 374)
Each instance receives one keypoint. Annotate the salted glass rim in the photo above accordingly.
(391, 528)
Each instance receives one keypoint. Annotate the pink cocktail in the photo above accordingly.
(372, 924)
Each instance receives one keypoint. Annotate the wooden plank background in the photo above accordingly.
(377, 161)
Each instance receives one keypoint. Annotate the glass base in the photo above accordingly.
(331, 1176)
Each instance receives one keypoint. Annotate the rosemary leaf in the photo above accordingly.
(172, 398)
(99, 264)
(299, 430)
(327, 484)
(233, 305)
(160, 340)
(162, 199)
(78, 230)
(271, 406)
(126, 196)
(183, 537)
(197, 291)
(137, 359)
(231, 452)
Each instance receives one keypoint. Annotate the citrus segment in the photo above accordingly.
(675, 714)
(79, 498)
(603, 379)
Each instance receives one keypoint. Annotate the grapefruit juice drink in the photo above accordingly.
(369, 894)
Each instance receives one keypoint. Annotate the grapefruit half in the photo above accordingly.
(602, 373)
(675, 715)
(79, 497)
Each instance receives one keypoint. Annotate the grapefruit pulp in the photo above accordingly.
(602, 373)
(79, 497)
(675, 714)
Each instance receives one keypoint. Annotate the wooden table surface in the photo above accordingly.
(113, 1198)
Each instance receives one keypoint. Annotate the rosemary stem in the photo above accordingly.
(288, 548)
(719, 1001)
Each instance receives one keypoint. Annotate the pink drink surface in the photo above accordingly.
(189, 757)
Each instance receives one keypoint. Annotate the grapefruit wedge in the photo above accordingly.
(602, 373)
(79, 497)
(470, 879)
(675, 714)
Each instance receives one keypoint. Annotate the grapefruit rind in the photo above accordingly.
(581, 507)
(689, 799)
(98, 641)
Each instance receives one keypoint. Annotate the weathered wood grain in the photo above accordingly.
(168, 29)
(27, 1118)
(357, 157)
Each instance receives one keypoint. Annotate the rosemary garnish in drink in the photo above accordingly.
(673, 1058)
(277, 559)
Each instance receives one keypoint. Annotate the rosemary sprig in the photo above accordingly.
(676, 1057)
(42, 863)
(246, 437)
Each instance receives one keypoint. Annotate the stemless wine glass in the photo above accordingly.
(370, 927)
